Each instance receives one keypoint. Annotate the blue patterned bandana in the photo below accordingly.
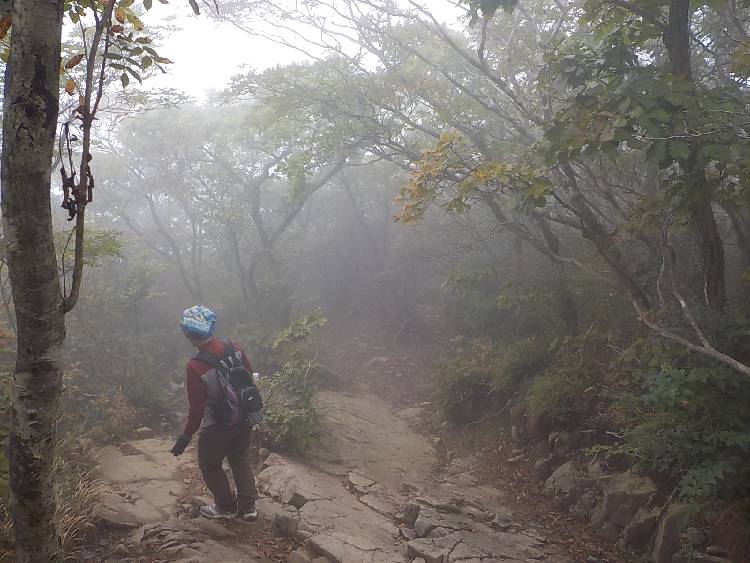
(198, 320)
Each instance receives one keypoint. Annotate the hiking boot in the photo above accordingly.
(210, 511)
(250, 513)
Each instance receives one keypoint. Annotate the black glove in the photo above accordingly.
(180, 445)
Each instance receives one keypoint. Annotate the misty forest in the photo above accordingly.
(485, 262)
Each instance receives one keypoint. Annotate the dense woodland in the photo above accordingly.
(561, 185)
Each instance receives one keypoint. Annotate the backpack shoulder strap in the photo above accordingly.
(213, 361)
(207, 359)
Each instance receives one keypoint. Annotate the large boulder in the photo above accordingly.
(566, 484)
(637, 534)
(544, 467)
(675, 520)
(624, 495)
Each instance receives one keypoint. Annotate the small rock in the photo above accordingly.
(501, 522)
(424, 523)
(443, 505)
(287, 524)
(117, 521)
(409, 513)
(299, 556)
(429, 551)
(142, 430)
(407, 533)
(717, 550)
(692, 556)
(478, 515)
(172, 550)
(359, 482)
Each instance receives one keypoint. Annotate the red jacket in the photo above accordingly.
(196, 389)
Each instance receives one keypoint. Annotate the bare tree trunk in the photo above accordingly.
(712, 249)
(677, 40)
(568, 309)
(29, 123)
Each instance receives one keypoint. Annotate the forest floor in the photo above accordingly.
(387, 480)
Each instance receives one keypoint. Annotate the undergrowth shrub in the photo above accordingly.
(77, 494)
(694, 426)
(287, 363)
(479, 375)
(467, 374)
(88, 406)
(583, 375)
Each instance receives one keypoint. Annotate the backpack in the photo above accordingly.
(243, 402)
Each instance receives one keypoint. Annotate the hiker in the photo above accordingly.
(221, 435)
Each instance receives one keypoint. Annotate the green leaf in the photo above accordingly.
(194, 6)
(124, 79)
(147, 4)
(134, 74)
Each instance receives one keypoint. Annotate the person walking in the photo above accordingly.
(219, 436)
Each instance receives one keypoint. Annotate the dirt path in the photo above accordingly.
(372, 490)
(379, 394)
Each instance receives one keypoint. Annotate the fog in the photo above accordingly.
(508, 238)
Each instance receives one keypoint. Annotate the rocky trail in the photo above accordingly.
(371, 491)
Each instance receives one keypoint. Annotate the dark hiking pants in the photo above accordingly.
(215, 443)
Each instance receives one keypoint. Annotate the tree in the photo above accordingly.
(30, 118)
(29, 125)
(229, 181)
